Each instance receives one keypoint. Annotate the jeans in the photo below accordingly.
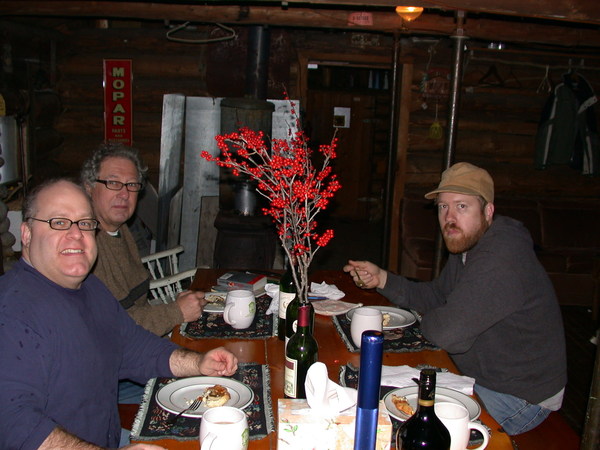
(514, 414)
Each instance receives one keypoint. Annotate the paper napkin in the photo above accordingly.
(402, 376)
(325, 290)
(324, 396)
(272, 291)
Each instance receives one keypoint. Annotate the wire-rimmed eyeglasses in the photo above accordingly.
(62, 223)
(115, 185)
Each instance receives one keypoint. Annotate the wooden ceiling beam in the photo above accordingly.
(522, 31)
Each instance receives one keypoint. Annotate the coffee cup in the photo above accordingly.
(455, 418)
(224, 428)
(240, 308)
(364, 319)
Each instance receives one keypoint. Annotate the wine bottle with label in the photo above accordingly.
(300, 353)
(287, 293)
(424, 430)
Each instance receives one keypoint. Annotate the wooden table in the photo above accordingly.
(332, 352)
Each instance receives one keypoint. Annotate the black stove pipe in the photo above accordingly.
(257, 66)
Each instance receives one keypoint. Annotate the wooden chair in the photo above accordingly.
(165, 290)
(163, 264)
(552, 434)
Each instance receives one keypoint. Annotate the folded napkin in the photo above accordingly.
(333, 307)
(324, 396)
(402, 376)
(272, 291)
(325, 290)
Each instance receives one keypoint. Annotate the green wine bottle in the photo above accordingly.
(287, 293)
(291, 318)
(301, 352)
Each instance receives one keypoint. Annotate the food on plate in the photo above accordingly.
(212, 297)
(215, 396)
(402, 405)
(386, 319)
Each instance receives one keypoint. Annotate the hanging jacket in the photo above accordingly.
(568, 134)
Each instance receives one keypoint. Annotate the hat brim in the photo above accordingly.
(455, 190)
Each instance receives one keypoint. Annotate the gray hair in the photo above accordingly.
(30, 206)
(91, 167)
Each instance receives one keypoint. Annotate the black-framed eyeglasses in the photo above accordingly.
(115, 185)
(63, 224)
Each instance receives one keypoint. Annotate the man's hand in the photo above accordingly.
(215, 362)
(218, 362)
(191, 304)
(366, 275)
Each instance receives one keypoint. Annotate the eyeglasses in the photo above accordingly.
(114, 185)
(63, 224)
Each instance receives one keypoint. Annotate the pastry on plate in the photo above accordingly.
(402, 405)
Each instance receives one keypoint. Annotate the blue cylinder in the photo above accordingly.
(369, 380)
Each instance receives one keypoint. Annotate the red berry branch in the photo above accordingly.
(295, 189)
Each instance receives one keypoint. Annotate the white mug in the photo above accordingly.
(455, 418)
(224, 428)
(364, 319)
(240, 308)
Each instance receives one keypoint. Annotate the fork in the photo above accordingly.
(193, 407)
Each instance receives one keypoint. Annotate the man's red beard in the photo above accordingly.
(459, 243)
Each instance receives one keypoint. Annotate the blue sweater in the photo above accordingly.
(496, 314)
(62, 352)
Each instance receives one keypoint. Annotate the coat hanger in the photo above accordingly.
(545, 85)
(491, 78)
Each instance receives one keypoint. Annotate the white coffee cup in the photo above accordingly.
(364, 319)
(455, 418)
(240, 308)
(224, 428)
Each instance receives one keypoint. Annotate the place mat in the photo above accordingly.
(348, 376)
(212, 325)
(398, 340)
(153, 422)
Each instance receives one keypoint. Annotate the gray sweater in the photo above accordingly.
(496, 315)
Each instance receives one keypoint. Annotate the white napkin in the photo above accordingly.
(402, 376)
(323, 395)
(325, 290)
(272, 291)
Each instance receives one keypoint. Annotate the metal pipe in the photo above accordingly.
(257, 66)
(391, 162)
(452, 120)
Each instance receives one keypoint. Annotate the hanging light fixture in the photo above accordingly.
(409, 13)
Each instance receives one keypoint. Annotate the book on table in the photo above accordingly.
(243, 280)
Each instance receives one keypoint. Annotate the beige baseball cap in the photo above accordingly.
(465, 178)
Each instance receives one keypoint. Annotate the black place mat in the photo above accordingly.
(211, 326)
(153, 422)
(408, 339)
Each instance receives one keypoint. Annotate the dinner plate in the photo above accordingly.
(411, 394)
(179, 395)
(215, 307)
(399, 318)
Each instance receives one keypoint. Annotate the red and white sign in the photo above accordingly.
(118, 110)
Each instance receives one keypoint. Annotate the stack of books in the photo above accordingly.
(242, 280)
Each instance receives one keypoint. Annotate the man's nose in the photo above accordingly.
(74, 232)
(123, 193)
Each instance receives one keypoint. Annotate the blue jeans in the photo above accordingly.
(514, 414)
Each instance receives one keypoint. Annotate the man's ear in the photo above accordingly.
(88, 188)
(25, 234)
(489, 212)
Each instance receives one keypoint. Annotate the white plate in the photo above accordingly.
(399, 318)
(441, 395)
(215, 307)
(178, 395)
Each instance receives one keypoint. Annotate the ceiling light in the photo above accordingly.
(409, 13)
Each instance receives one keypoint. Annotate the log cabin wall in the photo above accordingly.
(497, 120)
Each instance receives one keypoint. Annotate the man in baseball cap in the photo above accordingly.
(492, 308)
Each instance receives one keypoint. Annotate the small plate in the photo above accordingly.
(399, 318)
(411, 394)
(178, 395)
(216, 302)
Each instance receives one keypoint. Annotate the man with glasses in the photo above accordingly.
(113, 177)
(65, 340)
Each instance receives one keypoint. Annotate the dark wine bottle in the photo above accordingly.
(301, 352)
(291, 318)
(287, 293)
(424, 430)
